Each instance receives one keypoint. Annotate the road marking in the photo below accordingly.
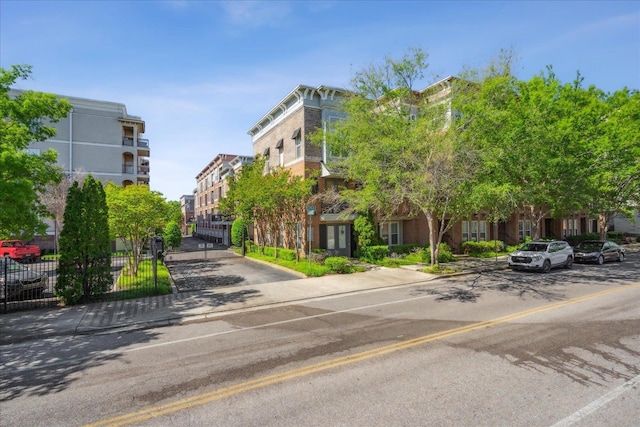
(267, 325)
(598, 403)
(268, 380)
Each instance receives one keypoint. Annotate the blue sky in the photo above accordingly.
(201, 73)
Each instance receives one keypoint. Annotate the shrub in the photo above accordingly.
(403, 249)
(374, 253)
(288, 254)
(172, 234)
(238, 231)
(338, 264)
(475, 248)
(444, 254)
(365, 230)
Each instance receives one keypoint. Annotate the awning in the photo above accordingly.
(296, 133)
(266, 152)
(279, 143)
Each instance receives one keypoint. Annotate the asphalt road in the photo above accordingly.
(497, 349)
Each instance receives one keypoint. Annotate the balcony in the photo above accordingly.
(127, 168)
(143, 147)
(143, 166)
(127, 141)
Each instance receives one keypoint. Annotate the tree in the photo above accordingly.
(534, 139)
(54, 198)
(135, 213)
(403, 147)
(172, 234)
(24, 175)
(274, 202)
(174, 211)
(614, 182)
(84, 268)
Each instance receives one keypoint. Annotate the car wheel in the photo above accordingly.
(569, 262)
(600, 260)
(620, 257)
(546, 266)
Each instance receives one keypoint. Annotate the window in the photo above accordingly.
(570, 227)
(474, 230)
(524, 229)
(298, 142)
(281, 156)
(390, 233)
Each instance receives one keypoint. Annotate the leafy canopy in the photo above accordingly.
(24, 175)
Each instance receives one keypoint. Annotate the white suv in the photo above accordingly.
(542, 256)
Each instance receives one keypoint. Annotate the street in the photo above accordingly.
(498, 348)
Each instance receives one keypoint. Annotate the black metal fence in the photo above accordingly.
(31, 285)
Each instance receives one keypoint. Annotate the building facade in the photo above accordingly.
(282, 136)
(100, 138)
(211, 186)
(187, 207)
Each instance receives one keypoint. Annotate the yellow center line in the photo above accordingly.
(265, 381)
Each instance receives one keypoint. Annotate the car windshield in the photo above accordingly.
(589, 246)
(11, 265)
(534, 247)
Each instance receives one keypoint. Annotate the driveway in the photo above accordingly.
(197, 268)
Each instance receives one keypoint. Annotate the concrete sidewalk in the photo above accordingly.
(179, 308)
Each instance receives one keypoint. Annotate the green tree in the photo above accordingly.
(534, 139)
(614, 180)
(24, 175)
(174, 211)
(135, 213)
(84, 269)
(70, 282)
(274, 202)
(172, 234)
(238, 231)
(402, 146)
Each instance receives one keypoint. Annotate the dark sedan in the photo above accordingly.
(598, 252)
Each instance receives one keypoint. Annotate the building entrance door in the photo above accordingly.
(339, 239)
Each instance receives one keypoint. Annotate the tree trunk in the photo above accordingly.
(603, 225)
(433, 237)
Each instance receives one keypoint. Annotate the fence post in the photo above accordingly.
(5, 275)
(154, 262)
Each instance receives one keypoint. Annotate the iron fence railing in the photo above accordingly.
(28, 286)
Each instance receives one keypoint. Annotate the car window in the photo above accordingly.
(589, 246)
(534, 247)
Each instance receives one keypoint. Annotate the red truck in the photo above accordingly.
(19, 251)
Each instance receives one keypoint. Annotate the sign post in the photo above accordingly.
(311, 210)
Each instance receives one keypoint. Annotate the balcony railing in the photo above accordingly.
(127, 141)
(334, 208)
(127, 168)
(143, 142)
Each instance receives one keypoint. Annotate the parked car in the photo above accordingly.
(19, 282)
(598, 251)
(542, 256)
(19, 250)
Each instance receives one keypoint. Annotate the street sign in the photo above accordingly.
(311, 210)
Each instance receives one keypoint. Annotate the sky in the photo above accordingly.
(202, 73)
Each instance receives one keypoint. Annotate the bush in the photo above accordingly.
(238, 231)
(338, 264)
(172, 234)
(374, 253)
(444, 254)
(403, 249)
(288, 254)
(475, 248)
